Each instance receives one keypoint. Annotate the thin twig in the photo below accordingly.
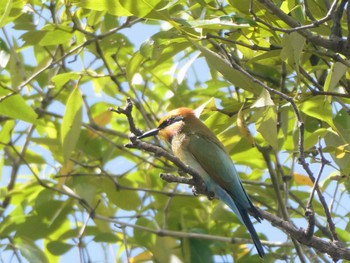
(336, 45)
(127, 112)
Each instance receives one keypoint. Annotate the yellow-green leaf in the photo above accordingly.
(14, 106)
(336, 73)
(133, 66)
(230, 74)
(140, 8)
(112, 7)
(30, 251)
(267, 126)
(263, 100)
(293, 45)
(320, 109)
(71, 123)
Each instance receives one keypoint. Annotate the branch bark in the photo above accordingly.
(334, 248)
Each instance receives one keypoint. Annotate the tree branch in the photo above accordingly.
(334, 249)
(337, 45)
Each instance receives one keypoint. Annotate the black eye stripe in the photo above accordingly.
(170, 121)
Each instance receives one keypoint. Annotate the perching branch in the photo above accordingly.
(305, 237)
(196, 181)
(334, 249)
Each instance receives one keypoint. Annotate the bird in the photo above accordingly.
(199, 148)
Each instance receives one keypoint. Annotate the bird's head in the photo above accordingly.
(171, 124)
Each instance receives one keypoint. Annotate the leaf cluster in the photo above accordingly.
(270, 78)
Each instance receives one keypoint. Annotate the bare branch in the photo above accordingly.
(127, 112)
(333, 44)
(334, 249)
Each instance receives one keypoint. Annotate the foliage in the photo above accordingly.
(267, 74)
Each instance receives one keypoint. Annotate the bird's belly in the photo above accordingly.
(187, 158)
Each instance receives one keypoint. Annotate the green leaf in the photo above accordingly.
(50, 38)
(14, 106)
(336, 73)
(10, 10)
(61, 79)
(124, 199)
(263, 100)
(6, 132)
(133, 66)
(58, 247)
(113, 7)
(267, 125)
(343, 234)
(164, 45)
(5, 8)
(141, 8)
(312, 138)
(215, 23)
(200, 251)
(230, 74)
(164, 250)
(293, 45)
(106, 237)
(30, 250)
(320, 109)
(142, 237)
(4, 54)
(71, 123)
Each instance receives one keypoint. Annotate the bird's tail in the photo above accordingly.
(248, 223)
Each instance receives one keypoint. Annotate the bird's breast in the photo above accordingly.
(181, 150)
(179, 145)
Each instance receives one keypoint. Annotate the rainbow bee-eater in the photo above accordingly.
(197, 146)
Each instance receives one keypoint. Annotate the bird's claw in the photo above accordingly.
(210, 195)
(194, 191)
(197, 191)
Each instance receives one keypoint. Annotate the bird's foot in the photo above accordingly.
(204, 191)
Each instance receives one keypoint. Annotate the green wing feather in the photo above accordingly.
(219, 166)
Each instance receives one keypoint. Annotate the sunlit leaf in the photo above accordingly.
(23, 111)
(102, 119)
(242, 126)
(4, 58)
(50, 36)
(293, 45)
(230, 74)
(267, 125)
(112, 7)
(145, 238)
(142, 8)
(318, 108)
(71, 123)
(31, 251)
(263, 100)
(61, 79)
(341, 151)
(300, 179)
(215, 23)
(133, 66)
(141, 257)
(6, 131)
(336, 73)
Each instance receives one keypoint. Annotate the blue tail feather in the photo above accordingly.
(248, 223)
(243, 216)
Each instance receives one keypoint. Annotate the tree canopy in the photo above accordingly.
(80, 80)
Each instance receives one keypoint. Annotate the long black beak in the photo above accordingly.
(152, 132)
